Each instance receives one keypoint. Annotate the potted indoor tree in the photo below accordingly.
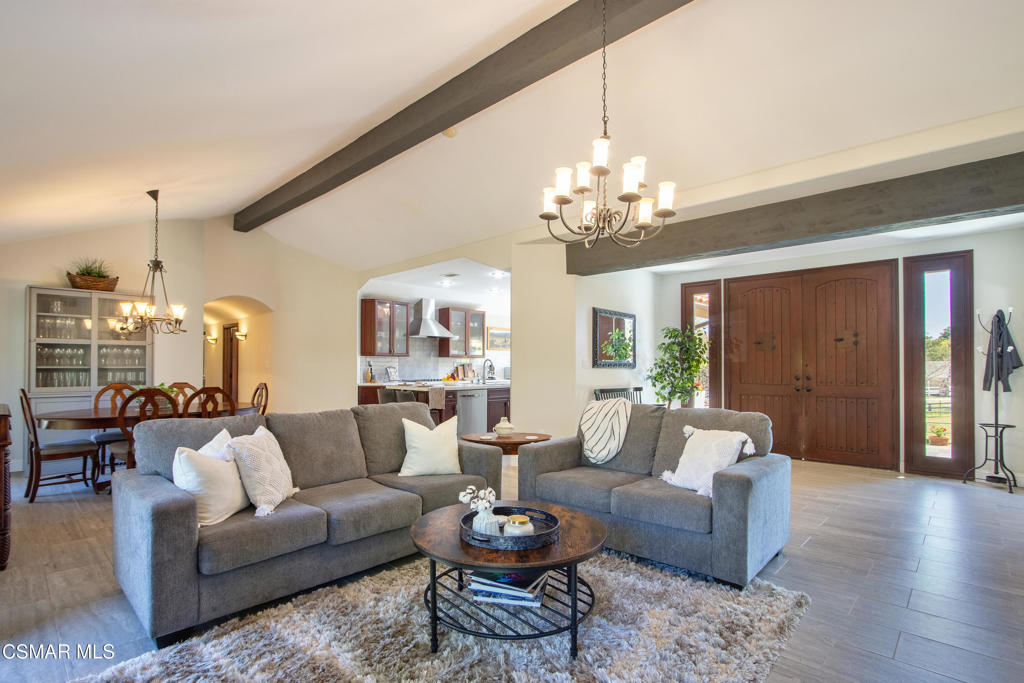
(939, 436)
(93, 274)
(675, 373)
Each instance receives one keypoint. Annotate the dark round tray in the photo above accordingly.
(545, 527)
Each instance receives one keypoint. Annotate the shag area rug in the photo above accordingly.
(650, 623)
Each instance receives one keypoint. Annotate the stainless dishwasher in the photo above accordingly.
(471, 407)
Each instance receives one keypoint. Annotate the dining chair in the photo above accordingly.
(182, 390)
(213, 402)
(152, 404)
(106, 440)
(261, 397)
(58, 450)
(405, 396)
(386, 395)
(634, 395)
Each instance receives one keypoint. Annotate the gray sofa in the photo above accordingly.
(730, 536)
(353, 512)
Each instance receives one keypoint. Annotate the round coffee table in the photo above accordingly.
(509, 443)
(568, 598)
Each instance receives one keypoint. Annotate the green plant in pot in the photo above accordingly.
(675, 373)
(618, 346)
(93, 274)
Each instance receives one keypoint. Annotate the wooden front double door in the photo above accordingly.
(816, 350)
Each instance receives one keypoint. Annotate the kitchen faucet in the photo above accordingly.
(488, 372)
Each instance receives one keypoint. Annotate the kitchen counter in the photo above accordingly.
(448, 386)
(447, 399)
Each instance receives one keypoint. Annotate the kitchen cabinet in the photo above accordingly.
(498, 406)
(384, 328)
(469, 328)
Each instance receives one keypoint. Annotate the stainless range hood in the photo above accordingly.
(424, 322)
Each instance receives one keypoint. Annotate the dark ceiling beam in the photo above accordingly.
(978, 189)
(568, 36)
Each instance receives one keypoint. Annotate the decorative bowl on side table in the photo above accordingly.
(568, 598)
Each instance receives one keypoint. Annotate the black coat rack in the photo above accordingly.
(1002, 359)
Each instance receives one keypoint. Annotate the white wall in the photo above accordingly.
(998, 283)
(629, 292)
(315, 313)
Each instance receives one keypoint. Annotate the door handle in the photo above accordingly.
(796, 377)
(796, 389)
(838, 339)
(807, 377)
(808, 389)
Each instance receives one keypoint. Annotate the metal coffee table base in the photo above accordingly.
(568, 600)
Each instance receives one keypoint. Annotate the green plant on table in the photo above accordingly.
(675, 373)
(618, 346)
(92, 267)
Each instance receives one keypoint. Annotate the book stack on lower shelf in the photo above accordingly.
(486, 589)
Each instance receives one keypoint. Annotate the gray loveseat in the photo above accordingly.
(353, 512)
(730, 536)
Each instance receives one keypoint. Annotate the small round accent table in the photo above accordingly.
(510, 443)
(567, 601)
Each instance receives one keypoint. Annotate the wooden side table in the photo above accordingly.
(5, 451)
(510, 443)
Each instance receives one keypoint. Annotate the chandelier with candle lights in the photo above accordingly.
(137, 316)
(626, 226)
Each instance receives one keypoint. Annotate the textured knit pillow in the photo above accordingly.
(210, 476)
(264, 472)
(431, 451)
(706, 451)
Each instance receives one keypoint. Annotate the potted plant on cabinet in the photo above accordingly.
(675, 373)
(92, 274)
(939, 436)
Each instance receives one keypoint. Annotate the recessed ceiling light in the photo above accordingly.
(498, 274)
(446, 283)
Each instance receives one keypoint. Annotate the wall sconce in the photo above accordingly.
(210, 338)
(241, 336)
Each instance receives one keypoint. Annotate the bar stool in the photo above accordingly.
(386, 395)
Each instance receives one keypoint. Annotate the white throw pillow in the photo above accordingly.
(706, 452)
(264, 471)
(431, 451)
(210, 476)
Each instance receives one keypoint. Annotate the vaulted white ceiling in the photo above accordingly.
(219, 102)
(214, 102)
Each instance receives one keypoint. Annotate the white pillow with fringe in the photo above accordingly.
(706, 451)
(264, 471)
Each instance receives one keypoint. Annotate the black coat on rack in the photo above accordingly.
(1002, 357)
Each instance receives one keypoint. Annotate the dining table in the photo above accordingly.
(104, 417)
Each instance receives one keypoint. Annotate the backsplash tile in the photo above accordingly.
(423, 362)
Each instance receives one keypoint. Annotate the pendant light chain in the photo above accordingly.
(604, 64)
(156, 230)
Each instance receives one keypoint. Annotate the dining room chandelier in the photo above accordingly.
(626, 225)
(137, 316)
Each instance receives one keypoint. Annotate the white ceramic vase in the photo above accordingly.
(485, 522)
(504, 427)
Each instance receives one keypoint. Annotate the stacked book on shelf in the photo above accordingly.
(488, 590)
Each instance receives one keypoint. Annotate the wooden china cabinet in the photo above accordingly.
(384, 328)
(469, 328)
